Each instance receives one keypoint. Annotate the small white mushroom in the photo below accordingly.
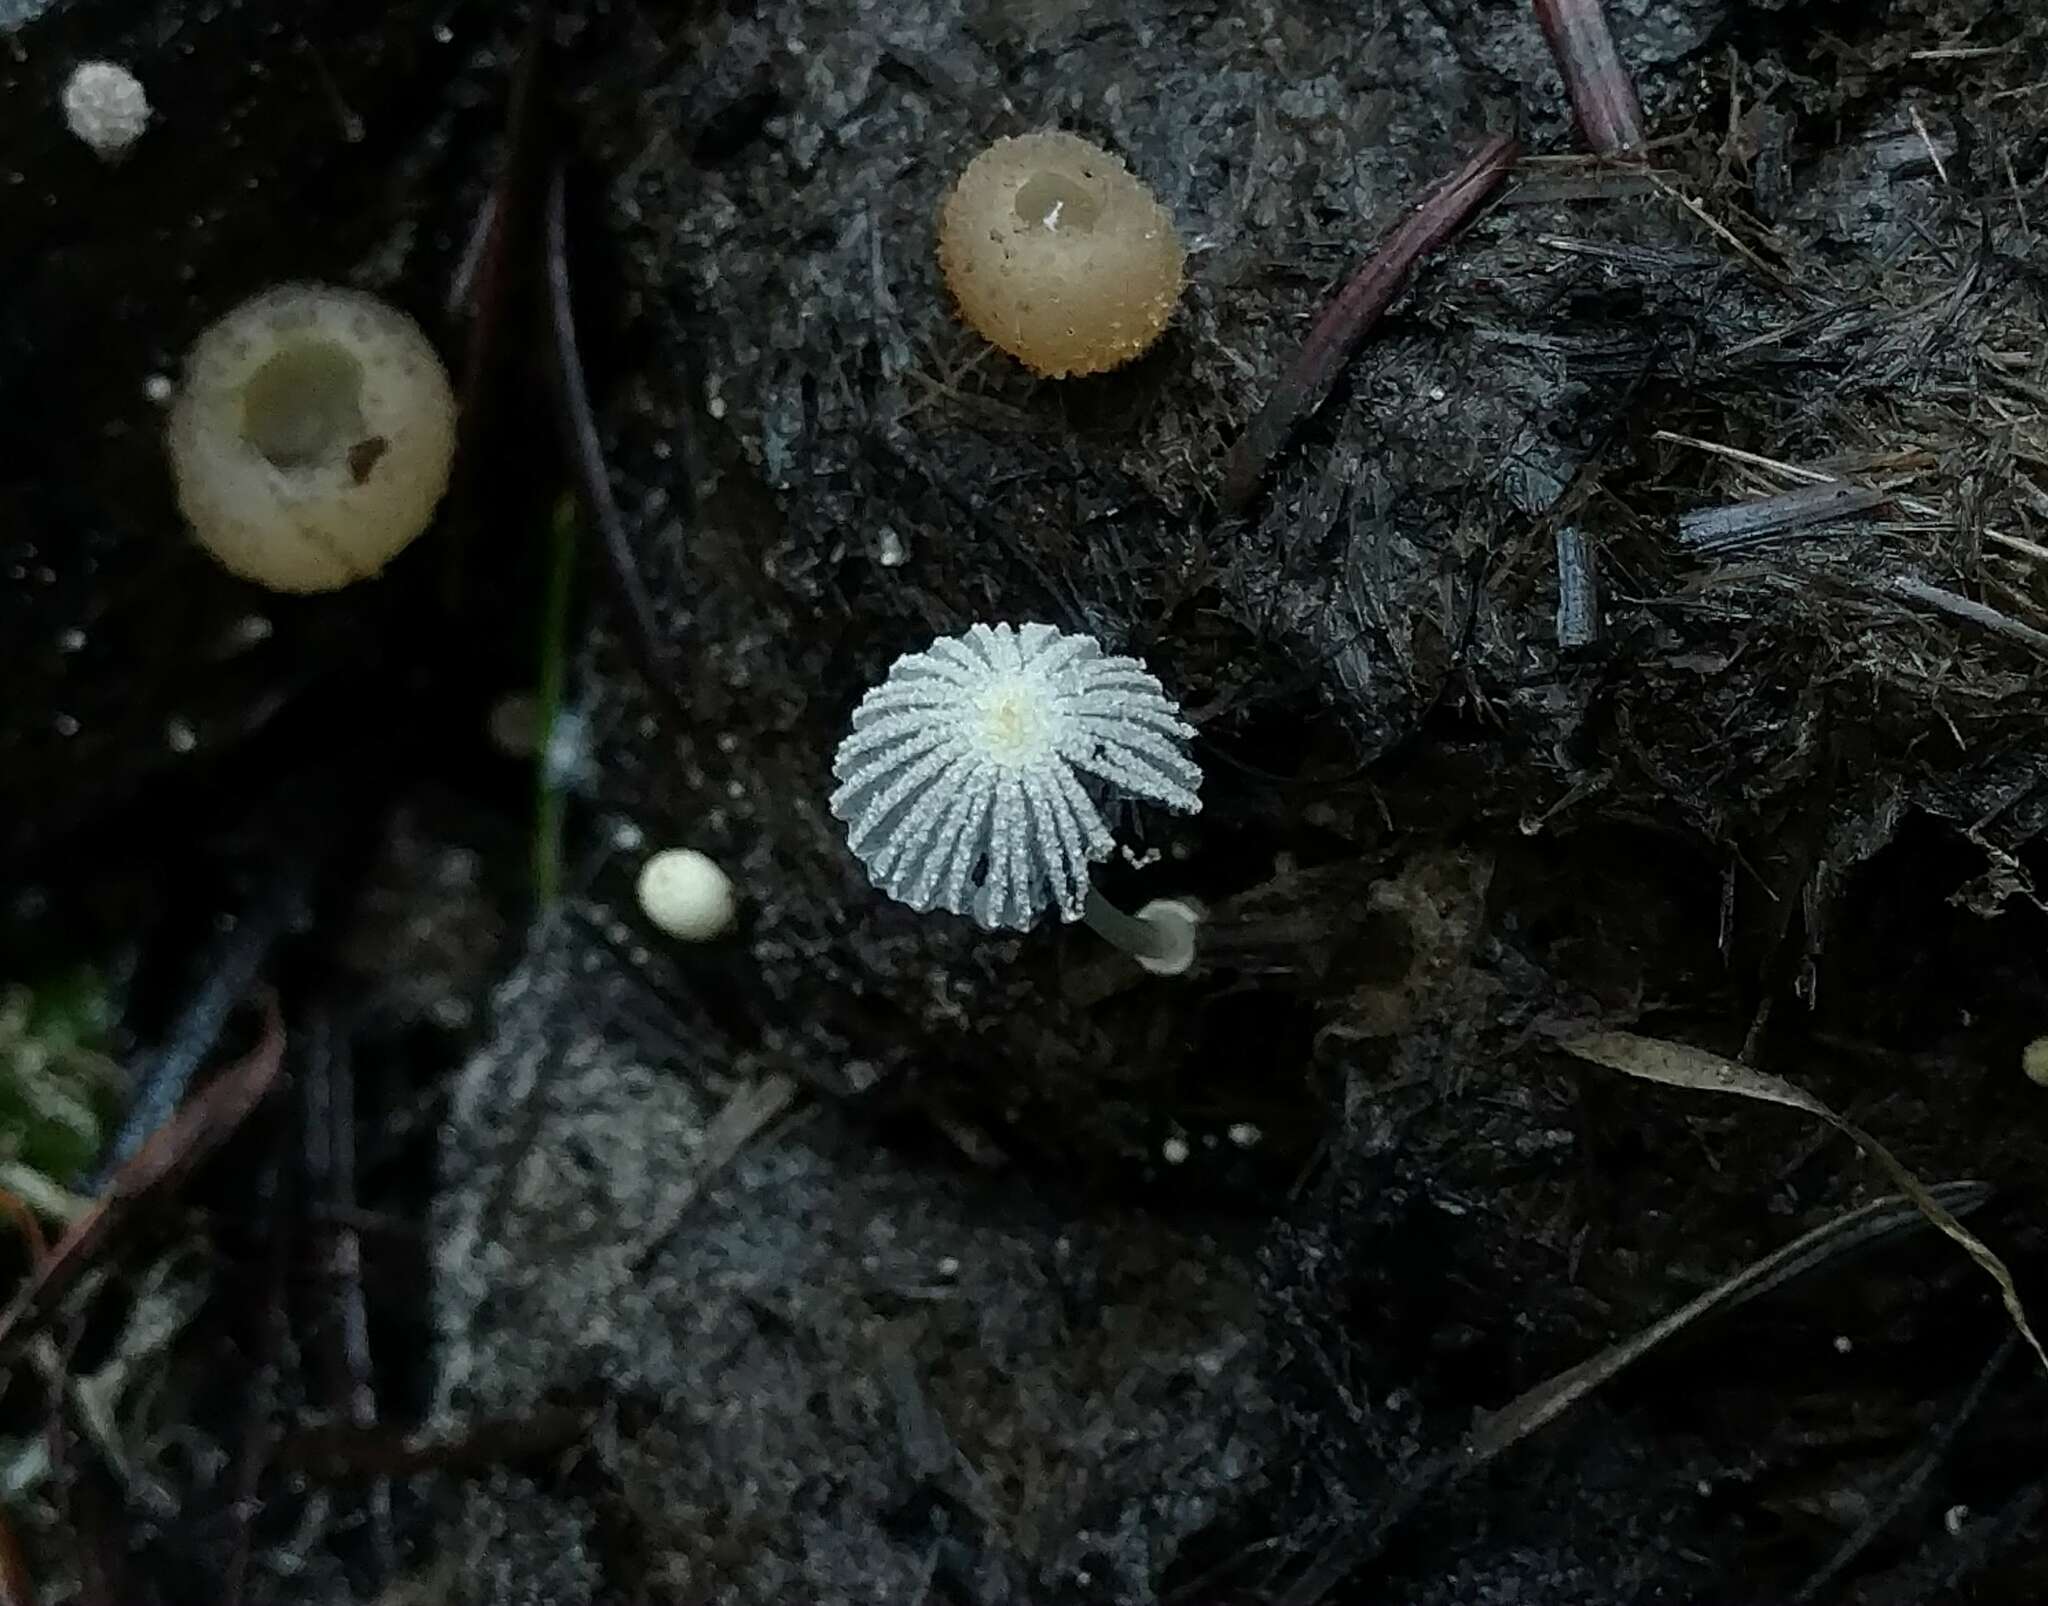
(105, 106)
(684, 893)
(970, 781)
(312, 438)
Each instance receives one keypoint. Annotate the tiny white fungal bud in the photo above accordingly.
(686, 895)
(2034, 1061)
(104, 105)
(1174, 1151)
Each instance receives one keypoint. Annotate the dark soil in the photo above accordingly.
(864, 1256)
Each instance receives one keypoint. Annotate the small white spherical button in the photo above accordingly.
(686, 895)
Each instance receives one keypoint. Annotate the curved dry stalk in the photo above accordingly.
(1681, 1065)
(1350, 317)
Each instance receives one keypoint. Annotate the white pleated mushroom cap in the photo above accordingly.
(970, 780)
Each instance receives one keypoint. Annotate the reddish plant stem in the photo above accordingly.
(1603, 94)
(492, 264)
(231, 972)
(1357, 307)
(24, 1221)
(169, 1155)
(17, 1584)
(578, 420)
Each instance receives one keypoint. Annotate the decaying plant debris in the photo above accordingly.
(1645, 636)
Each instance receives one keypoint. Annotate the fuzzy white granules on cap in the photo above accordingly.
(105, 106)
(962, 782)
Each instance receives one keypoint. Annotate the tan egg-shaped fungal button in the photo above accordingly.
(1059, 255)
(312, 437)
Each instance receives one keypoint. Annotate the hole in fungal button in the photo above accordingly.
(303, 403)
(1058, 203)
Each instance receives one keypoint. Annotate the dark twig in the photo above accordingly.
(1535, 1408)
(339, 1453)
(330, 1140)
(1743, 524)
(271, 1343)
(25, 1222)
(1936, 1573)
(745, 1115)
(1578, 590)
(230, 973)
(1351, 316)
(1603, 95)
(488, 277)
(1909, 1488)
(1960, 607)
(92, 1512)
(586, 451)
(17, 1586)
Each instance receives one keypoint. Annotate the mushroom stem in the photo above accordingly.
(1160, 936)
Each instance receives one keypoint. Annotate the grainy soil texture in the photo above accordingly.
(1597, 1155)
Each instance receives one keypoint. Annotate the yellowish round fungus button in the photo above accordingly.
(687, 895)
(1059, 255)
(312, 438)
